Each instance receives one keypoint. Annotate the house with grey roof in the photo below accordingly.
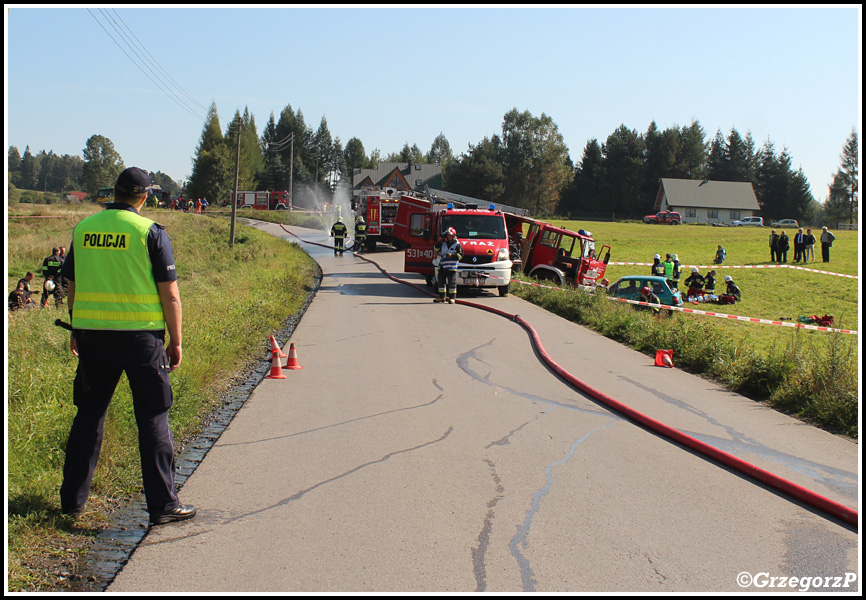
(399, 177)
(720, 202)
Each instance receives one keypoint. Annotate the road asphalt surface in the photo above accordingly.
(425, 448)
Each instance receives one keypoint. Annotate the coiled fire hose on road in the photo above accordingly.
(849, 515)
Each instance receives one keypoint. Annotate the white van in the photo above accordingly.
(749, 222)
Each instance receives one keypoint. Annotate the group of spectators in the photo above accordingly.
(53, 284)
(804, 245)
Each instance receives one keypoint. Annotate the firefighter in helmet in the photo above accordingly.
(648, 296)
(51, 272)
(450, 253)
(360, 234)
(339, 232)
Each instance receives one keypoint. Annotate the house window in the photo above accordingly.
(735, 214)
(691, 212)
(712, 213)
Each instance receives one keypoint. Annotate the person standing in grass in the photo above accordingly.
(774, 246)
(123, 295)
(827, 240)
(657, 268)
(809, 252)
(784, 244)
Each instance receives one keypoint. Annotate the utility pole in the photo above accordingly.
(235, 197)
(292, 174)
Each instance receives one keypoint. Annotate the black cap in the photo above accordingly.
(132, 181)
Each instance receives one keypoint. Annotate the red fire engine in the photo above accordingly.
(378, 207)
(559, 255)
(420, 226)
(263, 200)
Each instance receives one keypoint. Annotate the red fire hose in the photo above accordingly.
(849, 515)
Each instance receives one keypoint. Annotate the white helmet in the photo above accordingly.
(656, 256)
(694, 270)
(674, 256)
(50, 286)
(728, 278)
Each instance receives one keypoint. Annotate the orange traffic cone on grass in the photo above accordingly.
(276, 367)
(276, 348)
(664, 358)
(292, 363)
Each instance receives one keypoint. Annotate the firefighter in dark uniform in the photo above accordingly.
(339, 232)
(51, 272)
(657, 269)
(360, 234)
(123, 295)
(450, 253)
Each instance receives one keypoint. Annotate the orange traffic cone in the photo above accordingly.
(292, 363)
(276, 367)
(276, 348)
(664, 358)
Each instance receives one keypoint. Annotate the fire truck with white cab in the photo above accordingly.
(420, 227)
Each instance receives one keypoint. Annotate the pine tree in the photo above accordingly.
(624, 155)
(843, 199)
(28, 177)
(213, 166)
(14, 165)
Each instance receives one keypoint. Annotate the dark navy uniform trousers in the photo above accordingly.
(102, 357)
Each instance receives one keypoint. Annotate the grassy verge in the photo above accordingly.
(233, 299)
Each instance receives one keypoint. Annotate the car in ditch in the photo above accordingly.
(628, 288)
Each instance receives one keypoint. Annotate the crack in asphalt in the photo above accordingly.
(520, 538)
(290, 435)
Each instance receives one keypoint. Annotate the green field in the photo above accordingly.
(768, 293)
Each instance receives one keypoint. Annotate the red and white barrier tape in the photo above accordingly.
(640, 264)
(737, 317)
(708, 313)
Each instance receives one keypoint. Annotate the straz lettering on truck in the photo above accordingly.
(106, 241)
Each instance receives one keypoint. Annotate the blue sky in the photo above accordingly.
(395, 75)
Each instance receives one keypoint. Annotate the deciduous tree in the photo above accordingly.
(102, 164)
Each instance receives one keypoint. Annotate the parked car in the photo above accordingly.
(792, 223)
(665, 216)
(628, 287)
(749, 222)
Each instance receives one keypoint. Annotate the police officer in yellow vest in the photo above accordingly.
(360, 235)
(123, 295)
(338, 232)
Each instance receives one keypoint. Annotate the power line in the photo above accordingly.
(158, 66)
(181, 104)
(177, 99)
